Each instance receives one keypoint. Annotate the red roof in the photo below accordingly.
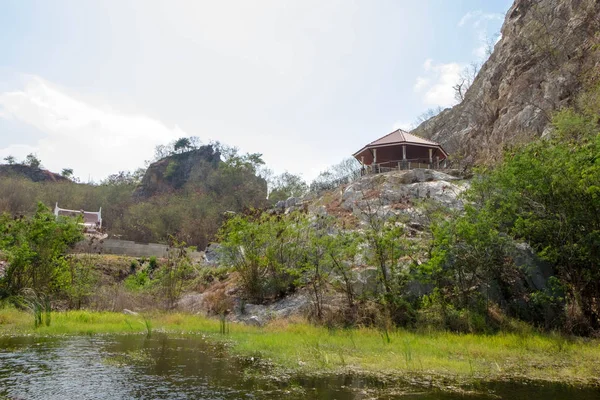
(398, 137)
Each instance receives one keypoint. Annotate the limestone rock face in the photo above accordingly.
(395, 193)
(171, 173)
(547, 50)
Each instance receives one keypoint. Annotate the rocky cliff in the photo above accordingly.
(548, 51)
(32, 173)
(173, 172)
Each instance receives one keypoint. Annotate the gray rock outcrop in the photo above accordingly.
(174, 171)
(395, 193)
(546, 51)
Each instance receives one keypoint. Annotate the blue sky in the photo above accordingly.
(95, 85)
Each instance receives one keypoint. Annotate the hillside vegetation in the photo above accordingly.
(410, 249)
(459, 270)
(183, 194)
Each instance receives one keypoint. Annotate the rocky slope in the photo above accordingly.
(549, 50)
(394, 194)
(397, 193)
(32, 173)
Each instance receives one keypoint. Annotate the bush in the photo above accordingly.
(137, 281)
(36, 250)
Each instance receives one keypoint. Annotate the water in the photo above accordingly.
(176, 367)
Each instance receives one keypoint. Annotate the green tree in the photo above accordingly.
(287, 185)
(176, 269)
(36, 249)
(10, 160)
(33, 161)
(265, 250)
(182, 145)
(547, 193)
(67, 172)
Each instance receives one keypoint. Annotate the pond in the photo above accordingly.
(190, 367)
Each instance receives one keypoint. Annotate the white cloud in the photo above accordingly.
(467, 17)
(421, 83)
(92, 140)
(479, 18)
(480, 23)
(435, 86)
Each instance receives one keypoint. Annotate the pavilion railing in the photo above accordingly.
(400, 165)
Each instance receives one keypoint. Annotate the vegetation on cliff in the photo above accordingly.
(183, 194)
(545, 193)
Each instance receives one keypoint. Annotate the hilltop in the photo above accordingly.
(34, 174)
(174, 171)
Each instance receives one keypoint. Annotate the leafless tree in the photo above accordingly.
(466, 79)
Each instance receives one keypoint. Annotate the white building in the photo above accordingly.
(92, 221)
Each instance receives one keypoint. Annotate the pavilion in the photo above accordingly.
(92, 221)
(401, 150)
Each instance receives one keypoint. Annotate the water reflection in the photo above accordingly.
(174, 367)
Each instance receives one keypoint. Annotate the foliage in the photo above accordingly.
(32, 161)
(468, 257)
(182, 145)
(193, 213)
(137, 280)
(78, 280)
(286, 185)
(546, 193)
(174, 272)
(67, 172)
(263, 250)
(39, 305)
(274, 254)
(36, 248)
(175, 147)
(338, 174)
(124, 178)
(10, 160)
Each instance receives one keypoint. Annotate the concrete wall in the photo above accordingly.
(132, 249)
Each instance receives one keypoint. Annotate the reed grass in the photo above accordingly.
(305, 348)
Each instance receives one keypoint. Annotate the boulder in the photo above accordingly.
(212, 254)
(291, 202)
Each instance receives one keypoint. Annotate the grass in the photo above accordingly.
(304, 348)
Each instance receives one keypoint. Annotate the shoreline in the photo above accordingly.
(435, 359)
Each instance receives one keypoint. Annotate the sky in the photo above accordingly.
(96, 85)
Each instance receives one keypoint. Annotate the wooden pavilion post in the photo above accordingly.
(375, 161)
(430, 157)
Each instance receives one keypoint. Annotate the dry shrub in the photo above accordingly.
(217, 302)
(368, 313)
(116, 298)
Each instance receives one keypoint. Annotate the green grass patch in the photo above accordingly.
(304, 348)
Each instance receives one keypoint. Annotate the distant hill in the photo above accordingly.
(32, 173)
